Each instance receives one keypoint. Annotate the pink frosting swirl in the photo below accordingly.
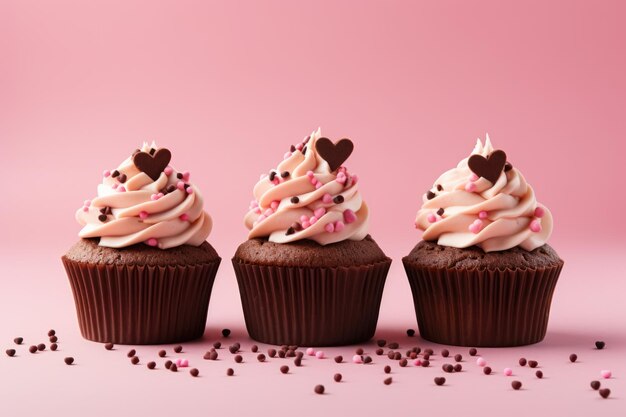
(303, 199)
(463, 210)
(132, 208)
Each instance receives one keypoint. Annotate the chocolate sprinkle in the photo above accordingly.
(54, 346)
(18, 340)
(533, 364)
(131, 353)
(359, 351)
(194, 372)
(605, 392)
(595, 385)
(272, 175)
(380, 351)
(290, 231)
(168, 364)
(297, 361)
(51, 332)
(151, 365)
(285, 174)
(103, 218)
(393, 345)
(122, 178)
(178, 349)
(10, 352)
(174, 368)
(170, 188)
(162, 353)
(338, 199)
(445, 353)
(387, 369)
(284, 369)
(295, 200)
(473, 352)
(230, 372)
(447, 368)
(539, 374)
(458, 367)
(440, 212)
(522, 361)
(487, 370)
(338, 359)
(32, 349)
(425, 363)
(381, 342)
(458, 357)
(217, 345)
(440, 380)
(238, 358)
(109, 346)
(388, 381)
(292, 148)
(430, 195)
(134, 360)
(600, 344)
(152, 151)
(508, 167)
(179, 175)
(410, 332)
(337, 377)
(403, 363)
(41, 347)
(225, 332)
(573, 357)
(319, 389)
(516, 385)
(271, 352)
(115, 173)
(69, 360)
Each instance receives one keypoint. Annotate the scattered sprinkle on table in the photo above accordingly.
(51, 332)
(473, 351)
(595, 385)
(319, 389)
(440, 380)
(410, 332)
(10, 352)
(151, 365)
(539, 374)
(134, 360)
(487, 370)
(533, 364)
(573, 357)
(178, 349)
(522, 361)
(18, 340)
(388, 381)
(284, 369)
(162, 353)
(131, 353)
(230, 372)
(516, 385)
(32, 349)
(337, 377)
(54, 347)
(41, 347)
(69, 360)
(605, 392)
(600, 344)
(194, 372)
(109, 346)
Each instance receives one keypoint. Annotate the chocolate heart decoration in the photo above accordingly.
(152, 165)
(334, 154)
(490, 167)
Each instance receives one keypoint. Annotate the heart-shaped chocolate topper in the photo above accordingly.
(489, 167)
(152, 165)
(334, 153)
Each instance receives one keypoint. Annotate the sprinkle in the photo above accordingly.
(10, 352)
(458, 367)
(54, 346)
(445, 353)
(507, 167)
(151, 365)
(32, 349)
(533, 364)
(539, 374)
(284, 174)
(85, 209)
(410, 332)
(41, 347)
(122, 178)
(341, 178)
(154, 197)
(310, 174)
(135, 360)
(274, 205)
(184, 217)
(115, 173)
(473, 177)
(425, 363)
(417, 362)
(329, 227)
(349, 216)
(470, 187)
(486, 370)
(357, 359)
(431, 218)
(260, 357)
(168, 364)
(605, 392)
(476, 226)
(295, 200)
(310, 351)
(287, 155)
(121, 189)
(182, 363)
(114, 186)
(319, 389)
(381, 342)
(573, 357)
(595, 385)
(473, 351)
(319, 212)
(230, 372)
(194, 372)
(52, 332)
(338, 359)
(600, 344)
(306, 224)
(180, 185)
(152, 242)
(318, 185)
(313, 220)
(458, 357)
(106, 173)
(388, 381)
(482, 215)
(180, 176)
(338, 199)
(440, 212)
(290, 231)
(508, 371)
(319, 354)
(481, 362)
(535, 226)
(539, 212)
(143, 215)
(102, 218)
(284, 369)
(337, 377)
(605, 373)
(186, 175)
(174, 368)
(168, 170)
(109, 346)
(439, 187)
(327, 198)
(430, 195)
(522, 361)
(68, 360)
(516, 385)
(440, 380)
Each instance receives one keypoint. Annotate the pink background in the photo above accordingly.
(228, 86)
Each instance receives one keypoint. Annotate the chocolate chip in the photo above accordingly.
(10, 352)
(271, 352)
(290, 231)
(122, 178)
(151, 365)
(425, 363)
(178, 349)
(403, 363)
(295, 200)
(109, 346)
(174, 368)
(41, 347)
(533, 364)
(213, 356)
(194, 372)
(388, 381)
(338, 199)
(458, 357)
(595, 385)
(225, 332)
(238, 358)
(134, 360)
(304, 151)
(439, 187)
(522, 361)
(168, 364)
(487, 370)
(391, 354)
(115, 173)
(380, 351)
(297, 361)
(600, 344)
(170, 188)
(338, 359)
(233, 349)
(393, 345)
(516, 385)
(131, 353)
(319, 389)
(230, 372)
(426, 355)
(440, 380)
(539, 374)
(440, 212)
(103, 218)
(447, 368)
(410, 332)
(337, 377)
(605, 392)
(285, 174)
(254, 348)
(18, 340)
(381, 342)
(359, 351)
(445, 353)
(53, 339)
(473, 352)
(152, 151)
(458, 367)
(54, 346)
(430, 195)
(284, 369)
(387, 369)
(69, 360)
(272, 175)
(162, 353)
(51, 332)
(508, 167)
(281, 354)
(32, 349)
(299, 354)
(397, 356)
(573, 357)
(179, 175)
(217, 345)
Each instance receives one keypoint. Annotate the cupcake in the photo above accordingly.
(483, 274)
(142, 272)
(309, 273)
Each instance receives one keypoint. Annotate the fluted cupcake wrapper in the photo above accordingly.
(137, 304)
(311, 306)
(488, 308)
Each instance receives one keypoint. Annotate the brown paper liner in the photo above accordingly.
(311, 306)
(488, 308)
(141, 305)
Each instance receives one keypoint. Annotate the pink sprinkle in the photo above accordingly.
(306, 224)
(287, 155)
(189, 190)
(327, 198)
(254, 204)
(268, 212)
(432, 218)
(341, 178)
(274, 204)
(299, 146)
(539, 212)
(329, 227)
(182, 363)
(357, 359)
(260, 218)
(319, 354)
(114, 186)
(154, 197)
(303, 219)
(417, 362)
(481, 362)
(605, 373)
(121, 189)
(160, 195)
(186, 175)
(257, 210)
(106, 173)
(152, 242)
(473, 177)
(313, 220)
(470, 187)
(339, 226)
(310, 351)
(319, 212)
(508, 371)
(535, 226)
(318, 185)
(184, 217)
(355, 179)
(85, 208)
(143, 215)
(168, 170)
(482, 215)
(310, 174)
(476, 226)
(180, 185)
(349, 216)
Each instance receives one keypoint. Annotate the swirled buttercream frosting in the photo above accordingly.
(145, 200)
(309, 195)
(484, 202)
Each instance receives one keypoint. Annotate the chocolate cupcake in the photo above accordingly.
(483, 274)
(309, 274)
(142, 272)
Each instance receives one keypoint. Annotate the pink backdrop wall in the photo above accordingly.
(228, 86)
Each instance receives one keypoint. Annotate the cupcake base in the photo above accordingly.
(141, 303)
(504, 303)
